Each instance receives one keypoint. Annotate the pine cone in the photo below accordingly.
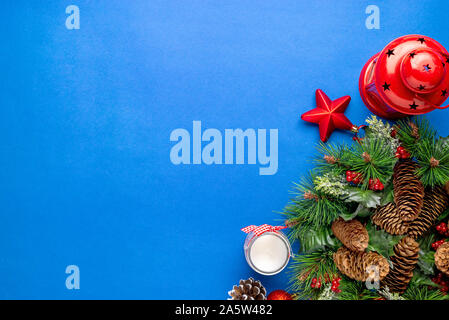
(356, 265)
(408, 190)
(248, 290)
(387, 218)
(404, 262)
(351, 233)
(435, 202)
(442, 258)
(446, 187)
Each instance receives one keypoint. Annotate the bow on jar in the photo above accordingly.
(259, 230)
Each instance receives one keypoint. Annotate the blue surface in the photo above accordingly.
(86, 117)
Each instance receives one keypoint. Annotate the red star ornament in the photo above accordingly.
(329, 115)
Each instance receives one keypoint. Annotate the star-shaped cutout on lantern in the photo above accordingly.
(329, 115)
(389, 52)
(443, 92)
(421, 87)
(413, 106)
(412, 54)
(386, 86)
(422, 40)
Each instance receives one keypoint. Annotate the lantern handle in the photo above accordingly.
(431, 104)
(438, 107)
(441, 108)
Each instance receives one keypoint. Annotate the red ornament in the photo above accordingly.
(408, 77)
(279, 295)
(329, 115)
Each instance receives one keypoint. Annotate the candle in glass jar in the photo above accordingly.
(268, 253)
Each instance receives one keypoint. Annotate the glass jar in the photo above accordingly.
(268, 253)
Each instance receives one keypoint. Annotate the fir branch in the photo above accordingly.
(318, 264)
(355, 290)
(329, 159)
(311, 207)
(412, 132)
(415, 291)
(433, 158)
(372, 158)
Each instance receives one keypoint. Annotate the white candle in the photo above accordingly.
(269, 253)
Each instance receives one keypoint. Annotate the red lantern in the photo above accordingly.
(408, 77)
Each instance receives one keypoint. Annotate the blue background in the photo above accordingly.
(86, 116)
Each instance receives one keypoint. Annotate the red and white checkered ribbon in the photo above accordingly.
(258, 230)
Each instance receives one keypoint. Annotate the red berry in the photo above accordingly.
(437, 244)
(401, 153)
(393, 133)
(349, 176)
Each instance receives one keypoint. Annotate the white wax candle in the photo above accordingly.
(269, 253)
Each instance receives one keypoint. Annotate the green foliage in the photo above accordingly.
(421, 280)
(433, 158)
(367, 198)
(444, 215)
(318, 264)
(425, 243)
(331, 184)
(381, 241)
(355, 290)
(420, 139)
(329, 159)
(445, 141)
(420, 289)
(388, 194)
(372, 158)
(324, 195)
(311, 208)
(426, 262)
(412, 132)
(312, 239)
(379, 129)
